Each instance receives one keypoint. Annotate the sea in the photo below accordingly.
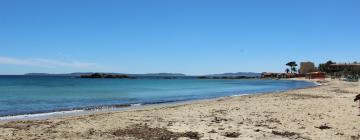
(24, 95)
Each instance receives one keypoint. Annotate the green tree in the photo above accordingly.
(292, 66)
(287, 70)
(325, 67)
(293, 69)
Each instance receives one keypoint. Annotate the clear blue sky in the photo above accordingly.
(184, 36)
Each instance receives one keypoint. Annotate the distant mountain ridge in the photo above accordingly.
(158, 74)
(237, 74)
(64, 74)
(78, 74)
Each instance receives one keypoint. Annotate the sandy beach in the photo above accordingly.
(324, 112)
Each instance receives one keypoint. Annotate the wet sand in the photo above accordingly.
(324, 112)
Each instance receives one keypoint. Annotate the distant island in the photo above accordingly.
(103, 75)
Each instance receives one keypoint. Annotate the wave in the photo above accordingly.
(237, 95)
(46, 114)
(37, 115)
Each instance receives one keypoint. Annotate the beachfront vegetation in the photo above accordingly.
(287, 70)
(325, 67)
(292, 66)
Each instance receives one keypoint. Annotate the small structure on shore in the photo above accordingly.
(270, 75)
(344, 70)
(342, 66)
(316, 75)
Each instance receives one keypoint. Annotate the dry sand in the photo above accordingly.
(324, 112)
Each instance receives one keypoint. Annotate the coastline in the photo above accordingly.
(322, 112)
(90, 110)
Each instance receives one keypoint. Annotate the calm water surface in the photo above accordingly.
(29, 95)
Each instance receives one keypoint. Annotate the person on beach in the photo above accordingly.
(356, 99)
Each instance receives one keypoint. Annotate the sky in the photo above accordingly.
(178, 36)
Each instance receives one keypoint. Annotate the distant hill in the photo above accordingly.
(238, 74)
(159, 74)
(64, 74)
(154, 75)
(36, 74)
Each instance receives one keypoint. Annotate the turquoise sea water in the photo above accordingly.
(30, 95)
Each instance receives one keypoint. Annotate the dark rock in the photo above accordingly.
(192, 135)
(284, 134)
(324, 126)
(212, 131)
(232, 134)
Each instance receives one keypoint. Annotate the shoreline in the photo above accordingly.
(91, 110)
(321, 112)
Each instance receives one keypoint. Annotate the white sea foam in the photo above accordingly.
(136, 104)
(318, 84)
(39, 115)
(239, 95)
(54, 114)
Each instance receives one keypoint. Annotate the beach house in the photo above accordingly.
(316, 75)
(343, 69)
